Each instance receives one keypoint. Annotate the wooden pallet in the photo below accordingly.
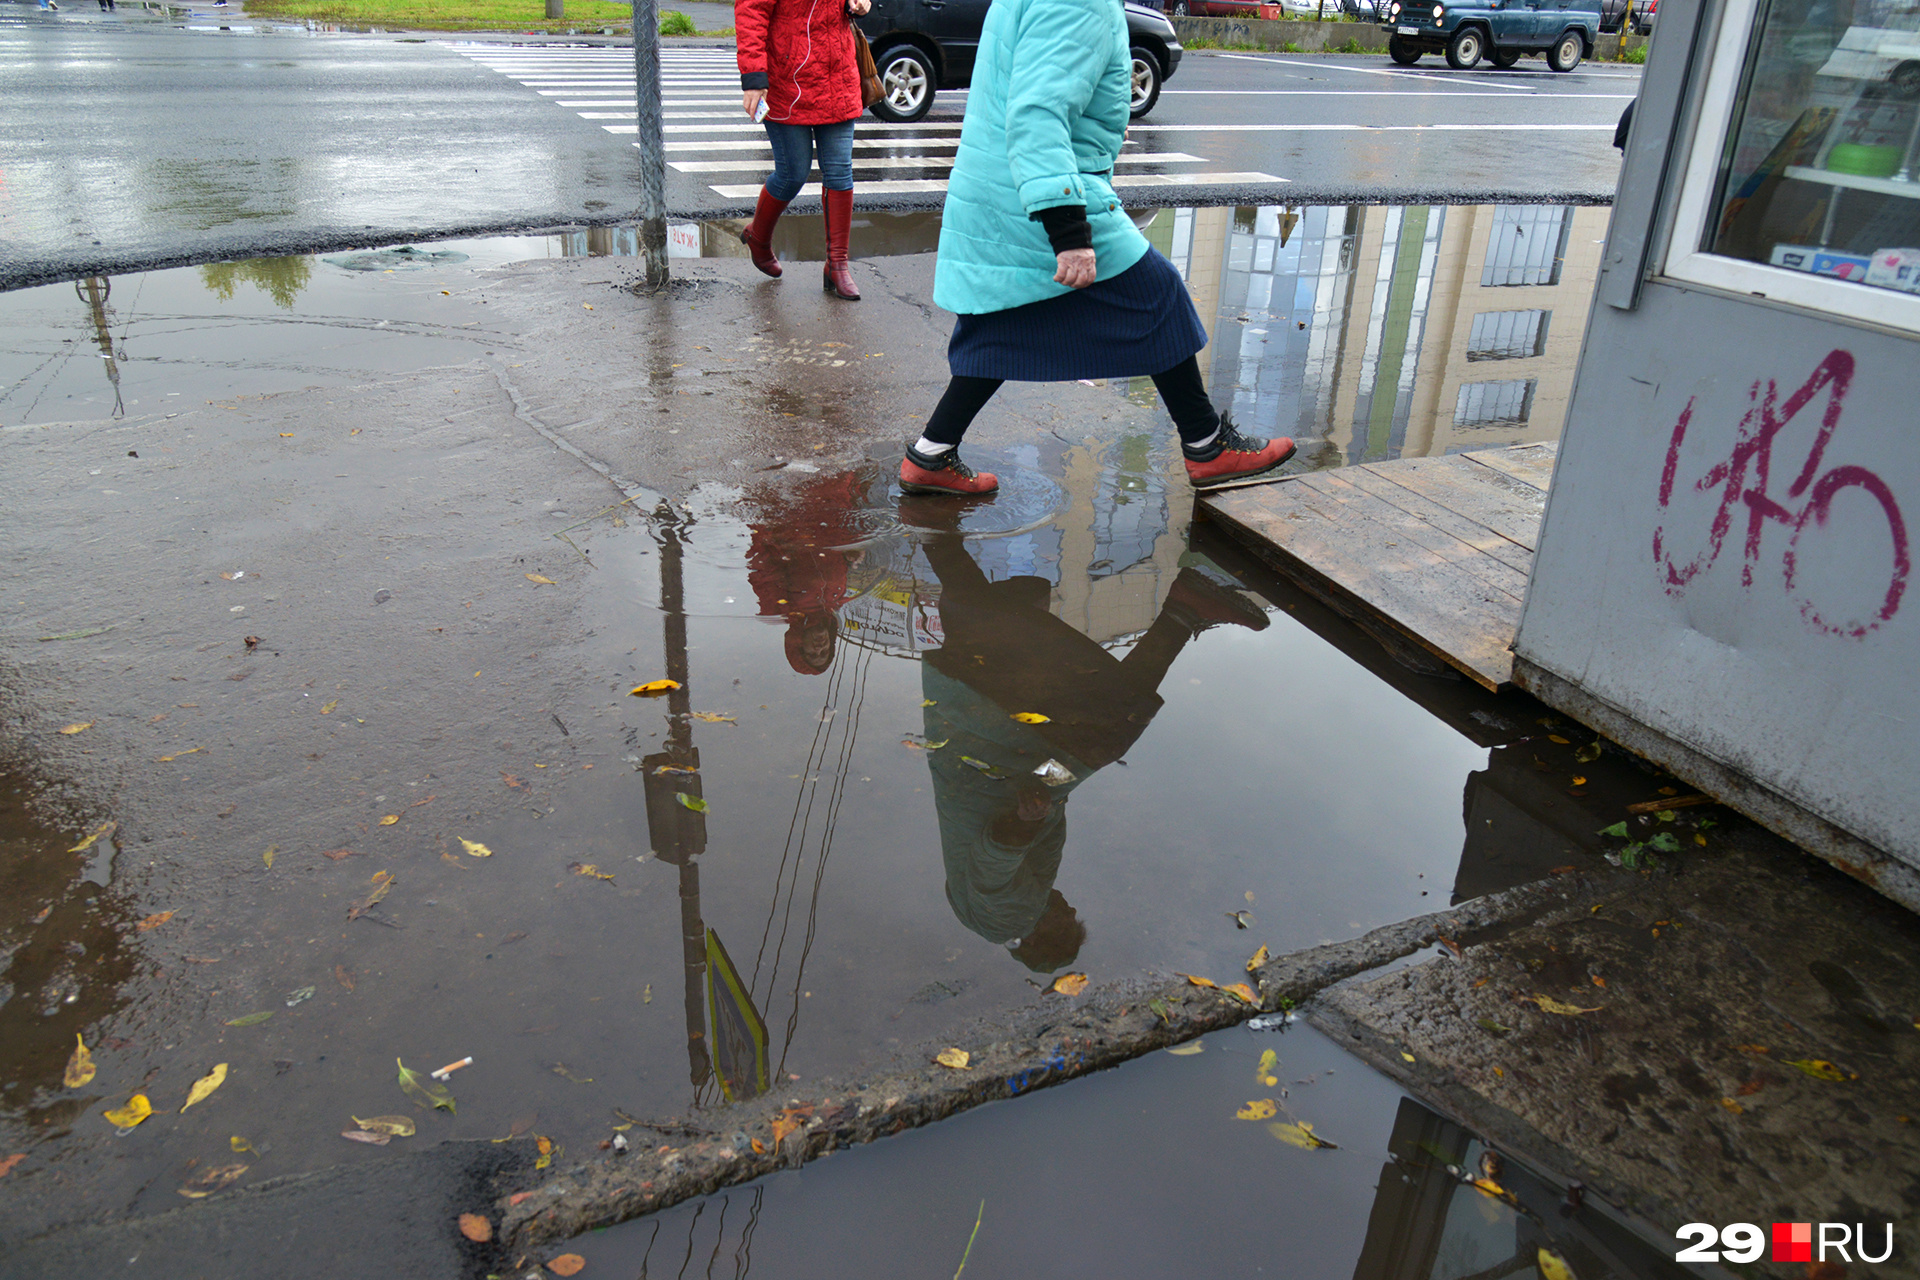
(1439, 548)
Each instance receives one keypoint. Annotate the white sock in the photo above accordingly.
(1201, 444)
(929, 448)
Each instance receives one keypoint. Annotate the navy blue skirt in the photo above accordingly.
(1139, 322)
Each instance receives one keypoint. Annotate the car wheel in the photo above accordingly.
(1504, 58)
(1905, 80)
(1179, 9)
(1566, 52)
(1464, 52)
(1404, 54)
(1146, 81)
(907, 83)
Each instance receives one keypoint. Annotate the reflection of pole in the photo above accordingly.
(679, 834)
(94, 291)
(652, 146)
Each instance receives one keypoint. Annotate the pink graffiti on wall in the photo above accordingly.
(1744, 480)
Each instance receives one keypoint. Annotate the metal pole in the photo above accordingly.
(653, 161)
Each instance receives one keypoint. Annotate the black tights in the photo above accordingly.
(1186, 397)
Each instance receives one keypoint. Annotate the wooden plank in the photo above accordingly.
(1356, 506)
(1313, 530)
(1532, 463)
(1469, 531)
(1495, 501)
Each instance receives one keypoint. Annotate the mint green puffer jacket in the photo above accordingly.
(1045, 118)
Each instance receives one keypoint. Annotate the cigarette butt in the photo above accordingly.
(451, 1067)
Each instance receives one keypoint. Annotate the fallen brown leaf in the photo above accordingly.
(338, 854)
(343, 976)
(1069, 984)
(154, 922)
(476, 1227)
(567, 1264)
(7, 1163)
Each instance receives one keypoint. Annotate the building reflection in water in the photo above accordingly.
(1391, 330)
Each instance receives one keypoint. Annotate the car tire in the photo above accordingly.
(1504, 58)
(1905, 80)
(1178, 9)
(1403, 54)
(1464, 50)
(1566, 52)
(1146, 82)
(909, 82)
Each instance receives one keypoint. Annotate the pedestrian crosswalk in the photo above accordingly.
(707, 138)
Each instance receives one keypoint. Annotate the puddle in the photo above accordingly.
(1364, 331)
(1146, 1171)
(836, 839)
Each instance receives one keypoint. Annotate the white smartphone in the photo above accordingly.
(760, 112)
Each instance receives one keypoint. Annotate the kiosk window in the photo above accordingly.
(1821, 169)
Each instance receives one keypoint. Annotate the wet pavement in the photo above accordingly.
(347, 643)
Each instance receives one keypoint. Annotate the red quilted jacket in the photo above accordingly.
(801, 53)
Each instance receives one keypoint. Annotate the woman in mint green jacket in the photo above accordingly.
(1051, 280)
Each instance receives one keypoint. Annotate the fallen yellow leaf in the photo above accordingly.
(1263, 1109)
(1551, 1005)
(136, 1110)
(176, 755)
(1269, 1063)
(1554, 737)
(1552, 1266)
(1070, 984)
(1258, 959)
(567, 1264)
(154, 922)
(1733, 1106)
(477, 849)
(80, 1066)
(534, 577)
(654, 688)
(713, 717)
(545, 1146)
(1031, 717)
(327, 708)
(100, 833)
(76, 728)
(1240, 991)
(1198, 981)
(205, 1085)
(395, 1126)
(1406, 1055)
(1187, 1050)
(267, 857)
(955, 1058)
(212, 1180)
(1821, 1069)
(390, 819)
(1299, 1135)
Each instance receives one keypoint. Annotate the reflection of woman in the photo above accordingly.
(1051, 280)
(797, 567)
(1000, 785)
(797, 61)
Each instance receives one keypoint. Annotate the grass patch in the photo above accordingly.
(1636, 55)
(1225, 46)
(470, 15)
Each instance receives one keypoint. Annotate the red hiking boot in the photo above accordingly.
(944, 474)
(1233, 456)
(758, 237)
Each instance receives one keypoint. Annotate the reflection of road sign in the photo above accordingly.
(739, 1034)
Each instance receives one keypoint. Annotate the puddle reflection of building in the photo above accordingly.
(1388, 331)
(1429, 1223)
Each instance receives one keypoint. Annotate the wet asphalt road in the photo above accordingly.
(127, 144)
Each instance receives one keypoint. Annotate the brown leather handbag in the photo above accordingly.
(871, 90)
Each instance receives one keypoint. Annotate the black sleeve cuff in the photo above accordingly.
(1066, 226)
(752, 80)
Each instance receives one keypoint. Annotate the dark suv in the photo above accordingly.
(921, 46)
(1502, 30)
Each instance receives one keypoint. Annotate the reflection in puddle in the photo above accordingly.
(1146, 1171)
(1363, 331)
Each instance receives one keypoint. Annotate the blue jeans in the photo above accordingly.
(793, 147)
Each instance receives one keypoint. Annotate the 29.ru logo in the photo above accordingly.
(1792, 1242)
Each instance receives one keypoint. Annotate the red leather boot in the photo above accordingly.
(758, 237)
(835, 278)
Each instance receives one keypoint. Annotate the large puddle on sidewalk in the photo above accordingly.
(914, 768)
(1363, 331)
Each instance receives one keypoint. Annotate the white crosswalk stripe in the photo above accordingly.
(703, 86)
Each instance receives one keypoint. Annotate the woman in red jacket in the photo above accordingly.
(799, 75)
